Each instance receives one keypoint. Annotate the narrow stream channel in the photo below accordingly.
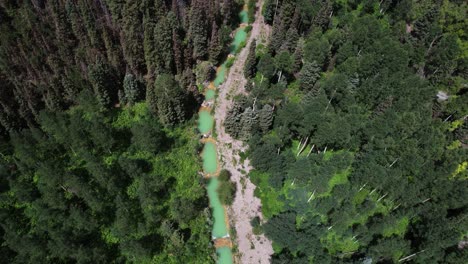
(211, 166)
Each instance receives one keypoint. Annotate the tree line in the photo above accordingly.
(98, 159)
(357, 159)
(51, 51)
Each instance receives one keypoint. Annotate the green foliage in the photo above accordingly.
(171, 100)
(226, 188)
(103, 80)
(240, 47)
(198, 31)
(346, 172)
(251, 61)
(266, 66)
(265, 117)
(95, 189)
(251, 10)
(230, 62)
(309, 75)
(54, 50)
(133, 89)
(204, 72)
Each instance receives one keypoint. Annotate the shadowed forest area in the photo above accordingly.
(357, 159)
(99, 158)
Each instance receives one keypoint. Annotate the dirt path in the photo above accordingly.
(252, 248)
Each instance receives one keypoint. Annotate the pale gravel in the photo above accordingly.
(252, 248)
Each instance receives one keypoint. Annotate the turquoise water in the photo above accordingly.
(210, 156)
(205, 121)
(219, 224)
(210, 94)
(224, 255)
(243, 16)
(220, 75)
(239, 38)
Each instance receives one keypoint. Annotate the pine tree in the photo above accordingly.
(297, 57)
(198, 30)
(151, 97)
(283, 62)
(215, 44)
(122, 98)
(163, 53)
(178, 52)
(277, 35)
(228, 11)
(170, 99)
(265, 117)
(268, 10)
(132, 34)
(290, 41)
(248, 123)
(149, 45)
(133, 90)
(232, 123)
(99, 76)
(266, 66)
(309, 75)
(250, 63)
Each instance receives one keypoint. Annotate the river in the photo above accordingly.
(211, 166)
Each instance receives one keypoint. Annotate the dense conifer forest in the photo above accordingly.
(355, 117)
(356, 122)
(99, 162)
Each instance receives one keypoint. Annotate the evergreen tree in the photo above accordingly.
(122, 98)
(198, 30)
(309, 75)
(283, 63)
(163, 52)
(232, 123)
(297, 57)
(265, 118)
(251, 10)
(268, 10)
(228, 11)
(248, 123)
(103, 80)
(215, 44)
(251, 61)
(170, 100)
(266, 66)
(132, 33)
(133, 89)
(290, 41)
(178, 51)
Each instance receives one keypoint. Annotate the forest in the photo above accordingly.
(355, 117)
(356, 121)
(99, 162)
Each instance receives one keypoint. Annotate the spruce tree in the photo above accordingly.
(265, 118)
(297, 57)
(232, 123)
(198, 30)
(102, 79)
(266, 66)
(215, 44)
(228, 11)
(248, 123)
(133, 89)
(250, 63)
(163, 53)
(309, 75)
(170, 99)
